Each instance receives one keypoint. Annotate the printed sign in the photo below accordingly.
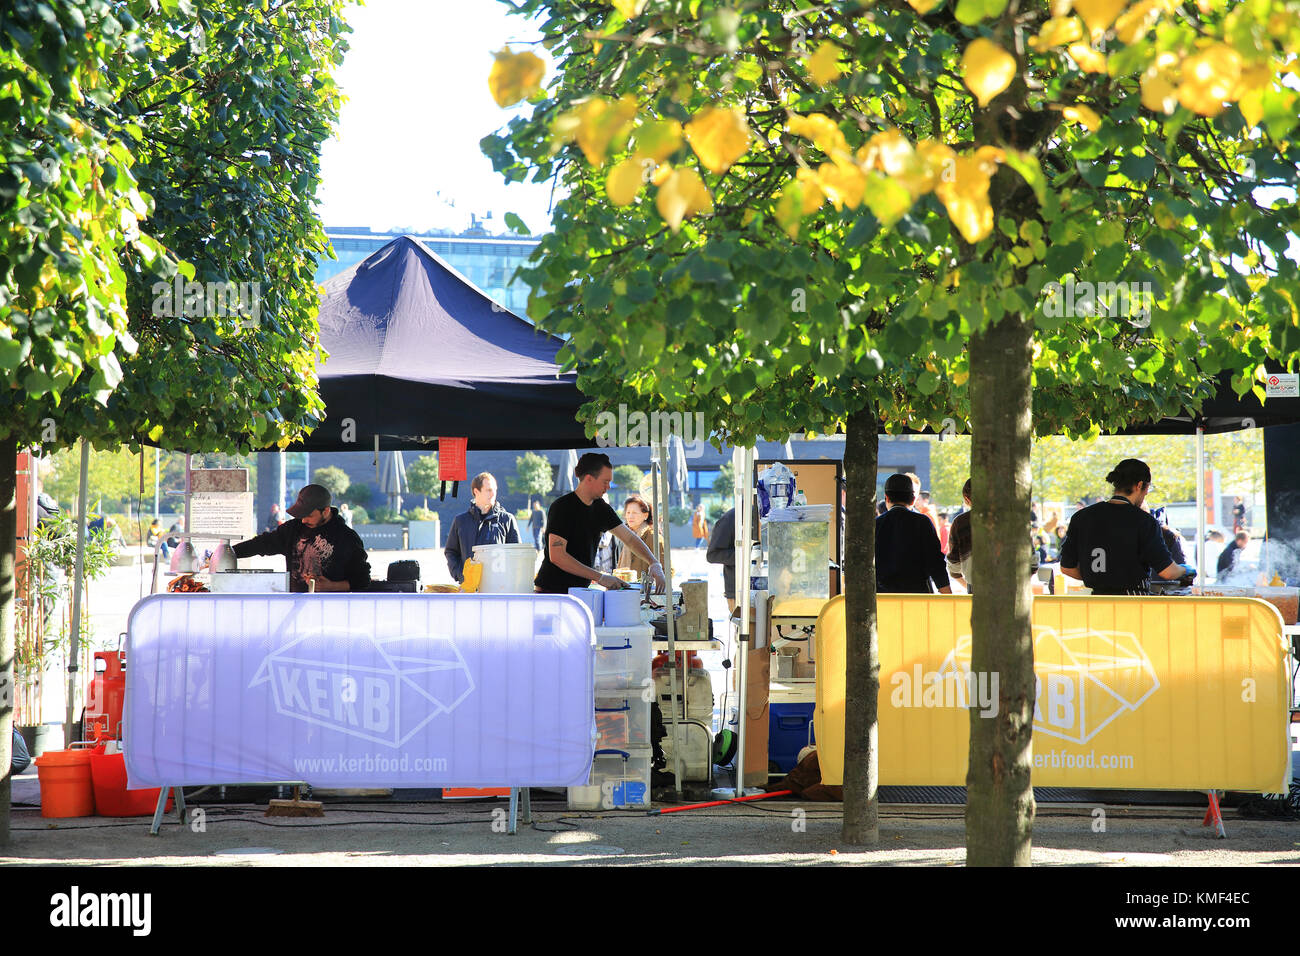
(225, 513)
(1282, 385)
(1164, 693)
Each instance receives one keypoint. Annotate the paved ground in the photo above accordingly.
(780, 832)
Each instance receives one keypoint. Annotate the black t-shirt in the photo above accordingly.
(1115, 546)
(332, 551)
(581, 526)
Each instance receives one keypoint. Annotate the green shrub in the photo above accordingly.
(420, 513)
(717, 511)
(357, 494)
(387, 515)
(677, 515)
(360, 515)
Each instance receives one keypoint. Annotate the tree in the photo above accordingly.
(628, 478)
(725, 483)
(358, 495)
(533, 476)
(225, 146)
(333, 479)
(422, 476)
(987, 181)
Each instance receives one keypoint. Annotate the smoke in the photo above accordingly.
(1275, 558)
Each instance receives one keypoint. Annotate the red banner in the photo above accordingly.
(451, 459)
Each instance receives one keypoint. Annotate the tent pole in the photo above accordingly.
(743, 460)
(78, 570)
(1200, 503)
(675, 681)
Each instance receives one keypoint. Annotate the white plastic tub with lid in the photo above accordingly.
(507, 568)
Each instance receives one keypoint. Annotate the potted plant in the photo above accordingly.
(44, 622)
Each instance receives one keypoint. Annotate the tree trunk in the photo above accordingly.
(862, 655)
(1000, 796)
(8, 558)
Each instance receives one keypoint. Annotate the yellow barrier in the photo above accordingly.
(1153, 693)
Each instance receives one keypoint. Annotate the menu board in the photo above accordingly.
(225, 513)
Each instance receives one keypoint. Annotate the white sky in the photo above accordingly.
(417, 105)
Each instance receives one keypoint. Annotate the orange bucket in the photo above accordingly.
(66, 789)
(112, 799)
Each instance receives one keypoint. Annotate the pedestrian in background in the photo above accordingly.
(959, 542)
(699, 527)
(484, 522)
(536, 522)
(908, 558)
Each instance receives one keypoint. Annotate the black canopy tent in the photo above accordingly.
(417, 352)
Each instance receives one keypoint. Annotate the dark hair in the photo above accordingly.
(965, 490)
(479, 480)
(1239, 535)
(592, 463)
(1128, 473)
(899, 488)
(644, 505)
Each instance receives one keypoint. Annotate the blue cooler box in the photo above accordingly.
(789, 729)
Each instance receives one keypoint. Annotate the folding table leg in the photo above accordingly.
(180, 802)
(1214, 815)
(528, 806)
(514, 811)
(158, 811)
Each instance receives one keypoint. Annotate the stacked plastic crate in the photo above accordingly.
(620, 770)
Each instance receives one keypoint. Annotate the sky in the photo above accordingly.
(417, 104)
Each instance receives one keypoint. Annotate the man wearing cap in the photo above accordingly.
(908, 556)
(316, 544)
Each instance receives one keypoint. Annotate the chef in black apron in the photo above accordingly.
(1114, 546)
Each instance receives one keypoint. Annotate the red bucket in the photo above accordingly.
(65, 783)
(112, 799)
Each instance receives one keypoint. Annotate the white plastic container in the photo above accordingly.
(623, 657)
(620, 779)
(622, 723)
(507, 568)
(622, 608)
(595, 601)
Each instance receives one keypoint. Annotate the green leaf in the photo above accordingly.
(513, 221)
(1026, 164)
(927, 383)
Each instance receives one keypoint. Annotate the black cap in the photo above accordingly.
(311, 498)
(899, 488)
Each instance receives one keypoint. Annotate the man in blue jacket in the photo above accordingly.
(908, 558)
(485, 522)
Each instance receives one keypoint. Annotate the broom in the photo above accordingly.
(297, 807)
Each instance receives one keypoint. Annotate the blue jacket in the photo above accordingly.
(473, 527)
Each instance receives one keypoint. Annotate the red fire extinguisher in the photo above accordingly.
(106, 695)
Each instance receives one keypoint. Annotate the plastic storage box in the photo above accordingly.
(788, 732)
(622, 723)
(620, 779)
(623, 657)
(799, 552)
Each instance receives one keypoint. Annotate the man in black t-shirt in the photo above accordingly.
(316, 544)
(1112, 546)
(574, 524)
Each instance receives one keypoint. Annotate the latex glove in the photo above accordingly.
(656, 573)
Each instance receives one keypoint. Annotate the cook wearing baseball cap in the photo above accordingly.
(317, 546)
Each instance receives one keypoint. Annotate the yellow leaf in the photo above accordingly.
(966, 197)
(987, 69)
(1135, 23)
(597, 123)
(661, 174)
(1159, 94)
(824, 65)
(1250, 92)
(812, 196)
(719, 137)
(682, 194)
(888, 201)
(1098, 14)
(821, 130)
(515, 76)
(938, 162)
(960, 378)
(1057, 31)
(787, 213)
(629, 8)
(658, 139)
(1209, 78)
(1089, 60)
(924, 6)
(843, 184)
(624, 180)
(1163, 217)
(1083, 115)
